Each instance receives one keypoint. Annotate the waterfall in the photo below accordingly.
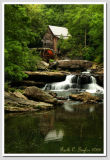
(64, 85)
(74, 83)
(93, 87)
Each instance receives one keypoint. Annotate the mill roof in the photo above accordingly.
(58, 31)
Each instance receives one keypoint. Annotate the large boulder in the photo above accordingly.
(14, 103)
(46, 76)
(42, 65)
(36, 93)
(74, 65)
(85, 97)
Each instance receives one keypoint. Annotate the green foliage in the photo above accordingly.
(25, 26)
(51, 60)
(19, 33)
(38, 26)
(7, 86)
(99, 59)
(15, 60)
(34, 58)
(85, 24)
(64, 45)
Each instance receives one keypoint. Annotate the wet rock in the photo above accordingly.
(53, 94)
(74, 79)
(99, 77)
(46, 76)
(62, 98)
(85, 97)
(18, 104)
(36, 93)
(98, 72)
(84, 79)
(74, 65)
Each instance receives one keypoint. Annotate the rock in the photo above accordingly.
(99, 79)
(62, 98)
(99, 75)
(98, 72)
(53, 65)
(94, 66)
(84, 79)
(42, 65)
(97, 68)
(46, 76)
(17, 104)
(36, 93)
(52, 94)
(74, 65)
(19, 95)
(85, 97)
(19, 109)
(29, 83)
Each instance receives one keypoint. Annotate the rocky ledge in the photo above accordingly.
(15, 103)
(72, 65)
(46, 76)
(85, 97)
(36, 100)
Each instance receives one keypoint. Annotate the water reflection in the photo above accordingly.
(79, 127)
(68, 106)
(54, 135)
(91, 109)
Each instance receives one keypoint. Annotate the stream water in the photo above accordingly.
(70, 128)
(72, 84)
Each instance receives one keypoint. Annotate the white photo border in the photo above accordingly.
(105, 89)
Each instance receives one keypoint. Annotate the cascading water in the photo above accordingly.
(94, 87)
(60, 86)
(74, 84)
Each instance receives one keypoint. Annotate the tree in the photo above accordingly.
(96, 31)
(17, 35)
(85, 24)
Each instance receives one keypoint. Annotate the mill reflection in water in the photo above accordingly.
(75, 128)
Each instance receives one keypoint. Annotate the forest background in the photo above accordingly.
(25, 26)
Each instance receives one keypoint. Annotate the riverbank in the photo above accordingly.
(45, 90)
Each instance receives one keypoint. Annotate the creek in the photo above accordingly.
(71, 128)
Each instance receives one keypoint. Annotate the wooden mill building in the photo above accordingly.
(52, 36)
